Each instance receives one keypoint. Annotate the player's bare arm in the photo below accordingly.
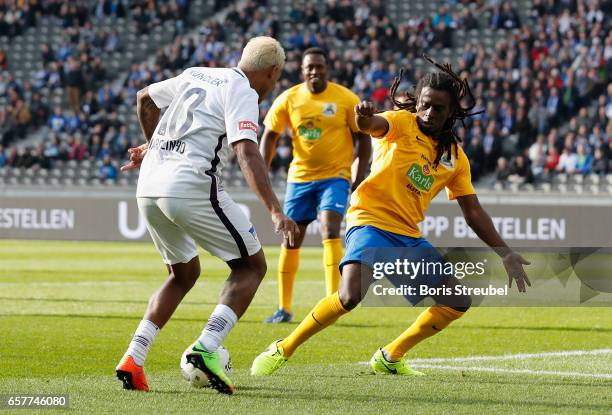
(148, 117)
(480, 222)
(256, 175)
(267, 145)
(368, 122)
(363, 154)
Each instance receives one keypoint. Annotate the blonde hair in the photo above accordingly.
(260, 53)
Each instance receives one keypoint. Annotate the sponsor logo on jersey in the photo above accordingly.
(309, 132)
(329, 109)
(447, 160)
(420, 177)
(247, 125)
(253, 233)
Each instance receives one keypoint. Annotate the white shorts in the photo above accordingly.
(220, 227)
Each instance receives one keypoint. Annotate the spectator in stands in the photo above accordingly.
(56, 121)
(3, 61)
(52, 148)
(78, 150)
(475, 154)
(584, 160)
(567, 161)
(3, 158)
(467, 21)
(95, 146)
(55, 78)
(107, 170)
(20, 118)
(38, 159)
(75, 83)
(505, 17)
(600, 164)
(521, 172)
(443, 16)
(552, 161)
(380, 92)
(283, 156)
(491, 145)
(502, 173)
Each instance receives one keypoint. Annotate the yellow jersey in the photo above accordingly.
(403, 179)
(321, 130)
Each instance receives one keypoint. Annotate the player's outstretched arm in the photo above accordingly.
(480, 221)
(256, 174)
(368, 122)
(148, 117)
(267, 145)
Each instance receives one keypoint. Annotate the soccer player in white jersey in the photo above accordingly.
(209, 113)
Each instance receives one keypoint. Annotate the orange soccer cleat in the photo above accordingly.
(132, 375)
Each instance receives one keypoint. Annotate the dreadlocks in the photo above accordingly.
(443, 80)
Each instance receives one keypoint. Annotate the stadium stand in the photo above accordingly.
(540, 71)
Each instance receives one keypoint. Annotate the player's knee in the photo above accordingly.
(184, 280)
(460, 303)
(464, 304)
(349, 300)
(330, 234)
(330, 230)
(261, 269)
(258, 266)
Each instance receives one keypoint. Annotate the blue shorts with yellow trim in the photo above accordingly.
(375, 248)
(303, 201)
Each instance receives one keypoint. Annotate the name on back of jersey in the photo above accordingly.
(177, 146)
(207, 78)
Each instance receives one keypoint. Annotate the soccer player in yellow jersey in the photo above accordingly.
(320, 115)
(418, 155)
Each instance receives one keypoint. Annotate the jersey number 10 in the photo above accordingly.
(169, 123)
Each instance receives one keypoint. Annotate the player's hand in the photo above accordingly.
(136, 156)
(365, 109)
(513, 263)
(286, 226)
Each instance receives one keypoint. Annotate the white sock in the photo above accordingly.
(142, 340)
(217, 328)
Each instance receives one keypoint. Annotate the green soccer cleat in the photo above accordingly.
(210, 364)
(269, 361)
(381, 365)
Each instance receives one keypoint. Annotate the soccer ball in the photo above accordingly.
(195, 376)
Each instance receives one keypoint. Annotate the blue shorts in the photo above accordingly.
(375, 247)
(303, 201)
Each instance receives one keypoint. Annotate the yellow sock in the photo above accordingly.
(332, 254)
(288, 264)
(324, 314)
(428, 323)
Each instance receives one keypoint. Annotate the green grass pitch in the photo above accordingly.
(68, 311)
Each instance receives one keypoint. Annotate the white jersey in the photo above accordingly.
(206, 110)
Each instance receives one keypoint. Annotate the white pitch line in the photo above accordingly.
(518, 356)
(521, 371)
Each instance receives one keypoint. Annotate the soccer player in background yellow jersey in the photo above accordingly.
(417, 156)
(320, 115)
